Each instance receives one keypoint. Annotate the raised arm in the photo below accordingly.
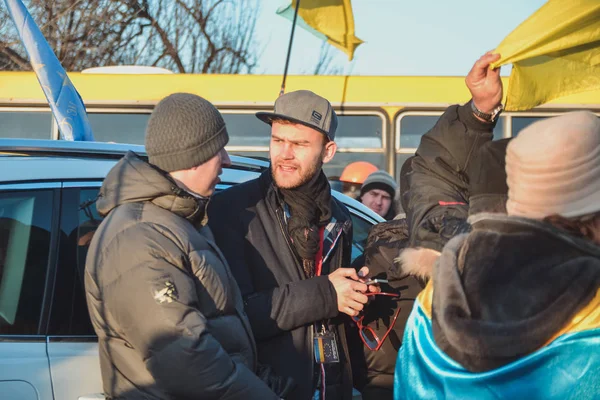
(437, 191)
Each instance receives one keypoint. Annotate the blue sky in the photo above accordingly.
(402, 37)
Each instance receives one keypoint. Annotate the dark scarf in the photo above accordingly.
(310, 209)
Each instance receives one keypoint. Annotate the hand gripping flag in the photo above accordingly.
(65, 103)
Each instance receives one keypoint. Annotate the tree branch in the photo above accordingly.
(14, 57)
(169, 48)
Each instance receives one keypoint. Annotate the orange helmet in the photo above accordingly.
(357, 172)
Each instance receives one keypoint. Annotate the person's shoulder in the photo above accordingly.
(228, 202)
(339, 210)
(238, 192)
(134, 228)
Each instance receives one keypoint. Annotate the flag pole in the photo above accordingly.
(289, 52)
(65, 102)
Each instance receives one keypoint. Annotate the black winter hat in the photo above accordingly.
(184, 131)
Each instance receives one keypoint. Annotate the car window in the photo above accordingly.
(119, 127)
(25, 223)
(360, 228)
(79, 221)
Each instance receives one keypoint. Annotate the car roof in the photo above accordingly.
(33, 160)
(59, 160)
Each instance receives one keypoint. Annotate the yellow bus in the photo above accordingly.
(381, 119)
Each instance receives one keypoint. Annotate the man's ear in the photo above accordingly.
(330, 149)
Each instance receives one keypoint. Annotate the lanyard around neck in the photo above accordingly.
(319, 257)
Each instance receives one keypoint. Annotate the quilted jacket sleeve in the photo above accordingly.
(438, 184)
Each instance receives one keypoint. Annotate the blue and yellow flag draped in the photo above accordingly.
(555, 52)
(329, 20)
(65, 103)
(568, 367)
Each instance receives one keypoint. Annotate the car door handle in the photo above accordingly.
(94, 396)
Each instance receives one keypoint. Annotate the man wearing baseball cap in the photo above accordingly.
(288, 242)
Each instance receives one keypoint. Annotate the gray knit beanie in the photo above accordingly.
(379, 180)
(184, 131)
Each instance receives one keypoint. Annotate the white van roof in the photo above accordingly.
(127, 69)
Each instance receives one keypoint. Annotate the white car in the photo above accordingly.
(48, 349)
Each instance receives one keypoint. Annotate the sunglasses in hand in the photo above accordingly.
(368, 334)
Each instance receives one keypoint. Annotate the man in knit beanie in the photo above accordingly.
(378, 192)
(168, 314)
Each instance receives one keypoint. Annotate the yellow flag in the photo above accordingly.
(555, 52)
(330, 20)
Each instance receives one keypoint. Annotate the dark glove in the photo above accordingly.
(437, 229)
(281, 386)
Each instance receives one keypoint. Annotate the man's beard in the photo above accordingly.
(304, 176)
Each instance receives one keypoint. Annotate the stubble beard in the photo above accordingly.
(305, 175)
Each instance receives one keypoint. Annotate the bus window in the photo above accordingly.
(518, 123)
(359, 132)
(400, 159)
(26, 124)
(359, 137)
(261, 155)
(412, 127)
(246, 130)
(354, 131)
(119, 127)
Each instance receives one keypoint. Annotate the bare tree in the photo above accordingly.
(201, 36)
(81, 33)
(326, 63)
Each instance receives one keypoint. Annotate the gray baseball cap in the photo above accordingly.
(306, 108)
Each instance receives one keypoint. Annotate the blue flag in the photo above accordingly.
(566, 368)
(66, 104)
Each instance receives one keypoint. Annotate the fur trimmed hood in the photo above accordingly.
(417, 261)
(503, 290)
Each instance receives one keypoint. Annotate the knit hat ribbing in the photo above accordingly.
(380, 180)
(184, 131)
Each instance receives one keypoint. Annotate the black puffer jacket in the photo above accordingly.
(374, 370)
(248, 223)
(168, 313)
(436, 185)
